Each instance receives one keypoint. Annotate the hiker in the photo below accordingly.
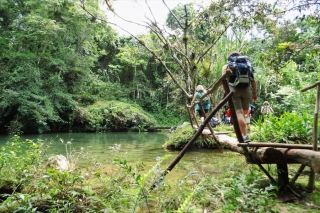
(228, 117)
(266, 108)
(200, 91)
(242, 82)
(252, 111)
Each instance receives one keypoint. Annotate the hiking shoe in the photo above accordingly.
(246, 139)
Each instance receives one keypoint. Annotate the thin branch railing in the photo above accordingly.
(192, 140)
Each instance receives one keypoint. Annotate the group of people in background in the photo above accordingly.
(266, 109)
(247, 115)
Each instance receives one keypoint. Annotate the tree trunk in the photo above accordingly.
(273, 155)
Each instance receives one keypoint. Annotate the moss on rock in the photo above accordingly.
(183, 135)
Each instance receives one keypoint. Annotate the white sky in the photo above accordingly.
(136, 10)
(130, 10)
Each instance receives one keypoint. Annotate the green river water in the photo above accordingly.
(133, 147)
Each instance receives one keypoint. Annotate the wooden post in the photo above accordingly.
(233, 113)
(192, 115)
(315, 130)
(316, 114)
(283, 176)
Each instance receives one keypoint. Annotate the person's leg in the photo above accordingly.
(201, 116)
(241, 121)
(206, 111)
(241, 100)
(238, 105)
(248, 123)
(246, 95)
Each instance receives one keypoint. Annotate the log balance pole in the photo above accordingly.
(311, 185)
(235, 122)
(193, 139)
(276, 145)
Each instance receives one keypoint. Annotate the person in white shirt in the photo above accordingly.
(266, 108)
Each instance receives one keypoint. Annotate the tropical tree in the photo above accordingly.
(184, 47)
(288, 60)
(47, 51)
(192, 47)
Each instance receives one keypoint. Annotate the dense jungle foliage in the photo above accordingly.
(58, 58)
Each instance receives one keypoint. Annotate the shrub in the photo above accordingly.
(288, 128)
(183, 135)
(112, 115)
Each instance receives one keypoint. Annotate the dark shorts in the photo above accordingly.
(200, 114)
(241, 97)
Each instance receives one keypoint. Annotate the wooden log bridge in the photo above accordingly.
(258, 153)
(273, 153)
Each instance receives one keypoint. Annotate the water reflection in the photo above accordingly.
(144, 147)
(136, 146)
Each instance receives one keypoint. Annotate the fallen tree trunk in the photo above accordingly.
(273, 155)
(277, 145)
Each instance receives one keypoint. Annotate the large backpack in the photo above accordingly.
(206, 99)
(214, 122)
(242, 71)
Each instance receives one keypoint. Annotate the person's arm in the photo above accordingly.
(224, 69)
(271, 110)
(245, 115)
(261, 111)
(254, 90)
